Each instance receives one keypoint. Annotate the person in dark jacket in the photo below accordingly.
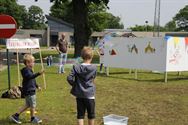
(29, 87)
(81, 79)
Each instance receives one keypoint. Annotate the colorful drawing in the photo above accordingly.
(149, 49)
(186, 44)
(112, 52)
(176, 41)
(175, 57)
(134, 49)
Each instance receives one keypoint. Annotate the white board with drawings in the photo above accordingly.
(145, 53)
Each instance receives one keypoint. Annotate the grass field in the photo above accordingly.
(146, 101)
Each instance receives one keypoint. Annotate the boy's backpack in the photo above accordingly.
(5, 95)
(13, 93)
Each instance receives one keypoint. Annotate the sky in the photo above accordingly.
(131, 12)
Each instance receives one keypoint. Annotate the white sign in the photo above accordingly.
(177, 54)
(147, 53)
(22, 43)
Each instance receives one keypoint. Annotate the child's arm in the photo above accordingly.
(71, 77)
(29, 75)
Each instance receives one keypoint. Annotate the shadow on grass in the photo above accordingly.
(3, 90)
(112, 75)
(6, 121)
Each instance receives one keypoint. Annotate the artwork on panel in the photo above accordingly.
(132, 49)
(112, 52)
(149, 48)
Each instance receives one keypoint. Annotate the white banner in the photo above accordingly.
(22, 43)
(147, 53)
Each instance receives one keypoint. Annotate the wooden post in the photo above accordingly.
(44, 79)
(165, 77)
(107, 71)
(18, 67)
(130, 71)
(135, 74)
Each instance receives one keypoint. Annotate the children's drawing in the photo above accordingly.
(112, 52)
(132, 49)
(149, 49)
(175, 57)
(186, 45)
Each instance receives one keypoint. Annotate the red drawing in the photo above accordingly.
(113, 52)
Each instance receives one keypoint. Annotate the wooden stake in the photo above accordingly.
(44, 79)
(165, 77)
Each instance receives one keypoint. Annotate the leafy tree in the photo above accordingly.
(62, 9)
(170, 26)
(10, 7)
(143, 28)
(35, 19)
(181, 19)
(87, 16)
(99, 19)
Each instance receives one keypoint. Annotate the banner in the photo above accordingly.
(22, 43)
(161, 54)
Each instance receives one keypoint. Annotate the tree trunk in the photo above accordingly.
(81, 27)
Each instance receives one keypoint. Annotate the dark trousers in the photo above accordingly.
(84, 104)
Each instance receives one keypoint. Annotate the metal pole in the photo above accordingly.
(8, 68)
(159, 16)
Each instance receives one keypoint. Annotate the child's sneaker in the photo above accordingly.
(36, 120)
(15, 119)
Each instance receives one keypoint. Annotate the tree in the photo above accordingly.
(87, 16)
(171, 26)
(143, 28)
(100, 19)
(10, 7)
(62, 9)
(181, 19)
(35, 19)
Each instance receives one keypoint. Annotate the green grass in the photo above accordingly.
(146, 101)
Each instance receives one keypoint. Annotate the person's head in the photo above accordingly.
(29, 60)
(87, 54)
(63, 35)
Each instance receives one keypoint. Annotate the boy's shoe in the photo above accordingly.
(15, 119)
(36, 120)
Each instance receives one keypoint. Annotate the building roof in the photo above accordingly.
(59, 21)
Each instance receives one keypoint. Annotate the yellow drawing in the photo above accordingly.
(176, 41)
(149, 49)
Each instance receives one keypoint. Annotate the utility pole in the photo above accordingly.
(157, 13)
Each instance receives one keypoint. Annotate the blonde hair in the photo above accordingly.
(28, 58)
(87, 53)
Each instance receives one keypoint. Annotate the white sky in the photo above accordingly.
(132, 12)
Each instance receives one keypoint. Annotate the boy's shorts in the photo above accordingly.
(84, 104)
(30, 101)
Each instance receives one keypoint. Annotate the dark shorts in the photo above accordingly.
(84, 104)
